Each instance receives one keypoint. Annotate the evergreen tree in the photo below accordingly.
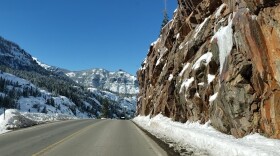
(105, 108)
(165, 15)
(44, 110)
(165, 19)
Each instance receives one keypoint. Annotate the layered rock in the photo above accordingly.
(219, 61)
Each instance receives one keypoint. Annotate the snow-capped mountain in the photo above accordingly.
(119, 82)
(119, 87)
(56, 90)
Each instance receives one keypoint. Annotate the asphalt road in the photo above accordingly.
(80, 138)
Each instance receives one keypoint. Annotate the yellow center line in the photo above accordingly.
(61, 141)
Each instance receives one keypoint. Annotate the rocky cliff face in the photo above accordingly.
(217, 60)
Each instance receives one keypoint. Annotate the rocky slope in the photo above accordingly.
(220, 61)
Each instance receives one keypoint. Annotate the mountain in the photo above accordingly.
(48, 89)
(53, 69)
(118, 82)
(19, 93)
(217, 61)
(119, 86)
(13, 56)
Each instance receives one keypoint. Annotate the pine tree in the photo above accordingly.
(165, 16)
(165, 19)
(105, 108)
(44, 110)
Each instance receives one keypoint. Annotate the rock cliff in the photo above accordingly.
(217, 60)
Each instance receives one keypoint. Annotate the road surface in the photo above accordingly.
(80, 138)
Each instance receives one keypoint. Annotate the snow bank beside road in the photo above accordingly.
(15, 119)
(207, 138)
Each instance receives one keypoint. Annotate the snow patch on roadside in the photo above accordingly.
(206, 138)
(13, 119)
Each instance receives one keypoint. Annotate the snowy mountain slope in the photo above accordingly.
(25, 96)
(60, 88)
(126, 104)
(13, 56)
(118, 87)
(118, 82)
(41, 64)
(57, 70)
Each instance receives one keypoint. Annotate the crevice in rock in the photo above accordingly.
(268, 3)
(246, 72)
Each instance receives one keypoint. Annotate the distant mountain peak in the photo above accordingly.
(119, 81)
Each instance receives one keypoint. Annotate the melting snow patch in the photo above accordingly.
(210, 78)
(158, 61)
(162, 52)
(144, 64)
(184, 68)
(201, 84)
(224, 41)
(218, 13)
(206, 140)
(205, 59)
(164, 66)
(182, 46)
(170, 77)
(213, 97)
(178, 35)
(197, 30)
(155, 42)
(186, 84)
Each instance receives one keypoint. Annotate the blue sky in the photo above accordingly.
(84, 34)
